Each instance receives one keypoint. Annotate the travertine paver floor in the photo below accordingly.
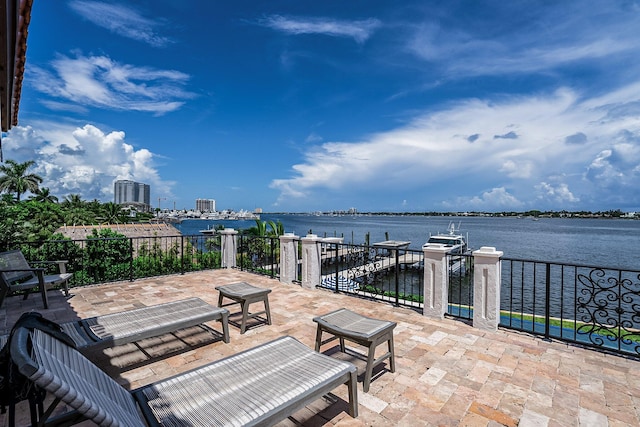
(447, 372)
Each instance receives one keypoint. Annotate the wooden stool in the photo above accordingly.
(345, 324)
(244, 294)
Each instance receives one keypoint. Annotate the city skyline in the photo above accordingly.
(301, 107)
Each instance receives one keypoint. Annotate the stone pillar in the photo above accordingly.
(310, 261)
(436, 281)
(289, 258)
(229, 247)
(487, 275)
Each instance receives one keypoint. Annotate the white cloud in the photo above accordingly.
(494, 199)
(603, 171)
(517, 169)
(434, 152)
(98, 81)
(360, 31)
(313, 138)
(558, 195)
(64, 106)
(82, 160)
(121, 20)
(549, 37)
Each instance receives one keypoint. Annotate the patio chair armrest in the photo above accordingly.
(62, 264)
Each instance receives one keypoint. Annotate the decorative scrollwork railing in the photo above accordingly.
(593, 306)
(608, 309)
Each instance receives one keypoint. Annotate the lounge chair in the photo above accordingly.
(146, 322)
(17, 275)
(260, 386)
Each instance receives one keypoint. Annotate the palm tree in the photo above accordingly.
(17, 180)
(73, 201)
(43, 195)
(76, 210)
(77, 216)
(112, 212)
(277, 229)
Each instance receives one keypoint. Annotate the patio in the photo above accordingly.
(447, 373)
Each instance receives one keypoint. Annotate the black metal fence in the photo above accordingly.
(460, 292)
(589, 305)
(259, 254)
(394, 275)
(99, 260)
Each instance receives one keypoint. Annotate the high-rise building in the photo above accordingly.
(206, 205)
(132, 193)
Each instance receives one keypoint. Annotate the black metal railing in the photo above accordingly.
(259, 254)
(99, 260)
(394, 275)
(299, 261)
(589, 305)
(460, 292)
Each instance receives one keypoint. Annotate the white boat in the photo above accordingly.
(456, 243)
(453, 240)
(209, 230)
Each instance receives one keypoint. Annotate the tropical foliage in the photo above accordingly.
(105, 255)
(259, 249)
(15, 178)
(41, 214)
(43, 195)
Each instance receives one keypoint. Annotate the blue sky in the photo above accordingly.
(304, 106)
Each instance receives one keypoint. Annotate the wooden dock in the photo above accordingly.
(381, 264)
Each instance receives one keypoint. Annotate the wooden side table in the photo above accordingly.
(245, 294)
(345, 324)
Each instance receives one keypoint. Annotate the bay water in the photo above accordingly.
(613, 243)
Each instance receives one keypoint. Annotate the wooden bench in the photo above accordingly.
(17, 275)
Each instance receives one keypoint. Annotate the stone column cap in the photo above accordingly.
(228, 231)
(489, 251)
(289, 236)
(435, 247)
(311, 238)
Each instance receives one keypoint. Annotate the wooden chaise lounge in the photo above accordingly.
(145, 322)
(260, 386)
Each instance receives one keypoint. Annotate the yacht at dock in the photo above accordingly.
(454, 240)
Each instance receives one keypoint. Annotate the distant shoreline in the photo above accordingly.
(522, 215)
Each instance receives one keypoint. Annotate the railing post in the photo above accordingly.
(547, 298)
(182, 255)
(243, 249)
(336, 270)
(272, 256)
(487, 276)
(310, 261)
(436, 281)
(397, 274)
(131, 259)
(228, 247)
(289, 257)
